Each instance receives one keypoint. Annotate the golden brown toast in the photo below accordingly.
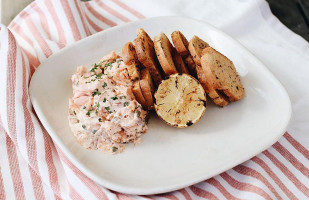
(138, 93)
(181, 44)
(148, 88)
(129, 57)
(221, 74)
(179, 64)
(163, 49)
(196, 47)
(144, 48)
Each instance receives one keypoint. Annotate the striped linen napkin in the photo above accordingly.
(32, 167)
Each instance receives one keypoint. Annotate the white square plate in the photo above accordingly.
(168, 158)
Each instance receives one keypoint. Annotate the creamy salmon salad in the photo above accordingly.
(103, 112)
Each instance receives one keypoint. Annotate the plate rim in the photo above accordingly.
(158, 189)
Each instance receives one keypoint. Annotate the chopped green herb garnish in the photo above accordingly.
(84, 126)
(115, 149)
(74, 112)
(97, 105)
(118, 61)
(88, 113)
(114, 98)
(108, 109)
(125, 103)
(122, 97)
(98, 75)
(104, 100)
(94, 131)
(100, 120)
(96, 92)
(96, 66)
(108, 65)
(104, 85)
(84, 107)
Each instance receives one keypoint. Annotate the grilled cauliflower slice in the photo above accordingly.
(180, 100)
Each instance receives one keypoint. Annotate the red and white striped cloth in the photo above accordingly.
(31, 167)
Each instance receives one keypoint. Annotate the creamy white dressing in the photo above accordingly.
(103, 112)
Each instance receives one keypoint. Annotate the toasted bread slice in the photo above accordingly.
(128, 53)
(216, 96)
(138, 93)
(188, 60)
(163, 49)
(180, 43)
(196, 46)
(130, 59)
(144, 48)
(221, 74)
(179, 64)
(147, 87)
(180, 100)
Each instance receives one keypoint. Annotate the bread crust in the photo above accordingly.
(188, 60)
(129, 57)
(180, 43)
(196, 46)
(128, 53)
(163, 49)
(138, 93)
(221, 74)
(212, 93)
(144, 48)
(147, 88)
(179, 63)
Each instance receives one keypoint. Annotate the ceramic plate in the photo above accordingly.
(168, 158)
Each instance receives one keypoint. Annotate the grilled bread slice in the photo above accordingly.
(181, 44)
(180, 100)
(221, 74)
(128, 54)
(144, 48)
(163, 49)
(129, 57)
(188, 60)
(138, 93)
(179, 64)
(148, 88)
(196, 46)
